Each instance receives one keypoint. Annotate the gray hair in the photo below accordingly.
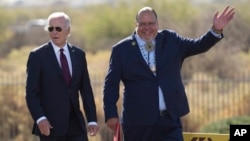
(60, 14)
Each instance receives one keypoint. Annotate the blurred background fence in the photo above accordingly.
(210, 100)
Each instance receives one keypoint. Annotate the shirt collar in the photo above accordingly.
(140, 41)
(57, 49)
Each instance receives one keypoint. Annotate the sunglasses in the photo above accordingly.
(51, 28)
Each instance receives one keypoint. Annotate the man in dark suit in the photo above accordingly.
(149, 64)
(55, 80)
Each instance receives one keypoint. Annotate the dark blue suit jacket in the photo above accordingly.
(140, 99)
(47, 93)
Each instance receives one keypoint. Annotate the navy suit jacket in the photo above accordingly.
(140, 99)
(47, 93)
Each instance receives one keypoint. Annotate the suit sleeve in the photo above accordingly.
(87, 95)
(111, 86)
(200, 45)
(32, 86)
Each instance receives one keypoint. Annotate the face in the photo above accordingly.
(58, 36)
(147, 25)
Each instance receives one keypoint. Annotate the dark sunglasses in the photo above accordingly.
(51, 28)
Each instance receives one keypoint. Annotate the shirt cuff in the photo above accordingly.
(215, 34)
(92, 123)
(40, 119)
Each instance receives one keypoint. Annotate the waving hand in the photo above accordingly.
(220, 21)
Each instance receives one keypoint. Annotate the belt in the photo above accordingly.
(163, 113)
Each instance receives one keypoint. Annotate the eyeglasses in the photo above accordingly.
(150, 24)
(51, 28)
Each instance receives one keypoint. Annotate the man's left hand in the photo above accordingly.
(220, 21)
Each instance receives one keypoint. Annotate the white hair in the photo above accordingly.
(59, 14)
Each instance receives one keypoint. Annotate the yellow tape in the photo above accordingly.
(205, 137)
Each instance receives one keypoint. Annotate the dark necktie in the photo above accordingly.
(65, 67)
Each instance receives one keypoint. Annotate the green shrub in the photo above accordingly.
(223, 126)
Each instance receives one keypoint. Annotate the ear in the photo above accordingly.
(68, 30)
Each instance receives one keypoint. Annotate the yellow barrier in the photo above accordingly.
(205, 137)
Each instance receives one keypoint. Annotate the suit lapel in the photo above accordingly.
(158, 49)
(52, 57)
(138, 55)
(162, 53)
(73, 60)
(53, 60)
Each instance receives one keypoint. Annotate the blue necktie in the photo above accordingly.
(65, 67)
